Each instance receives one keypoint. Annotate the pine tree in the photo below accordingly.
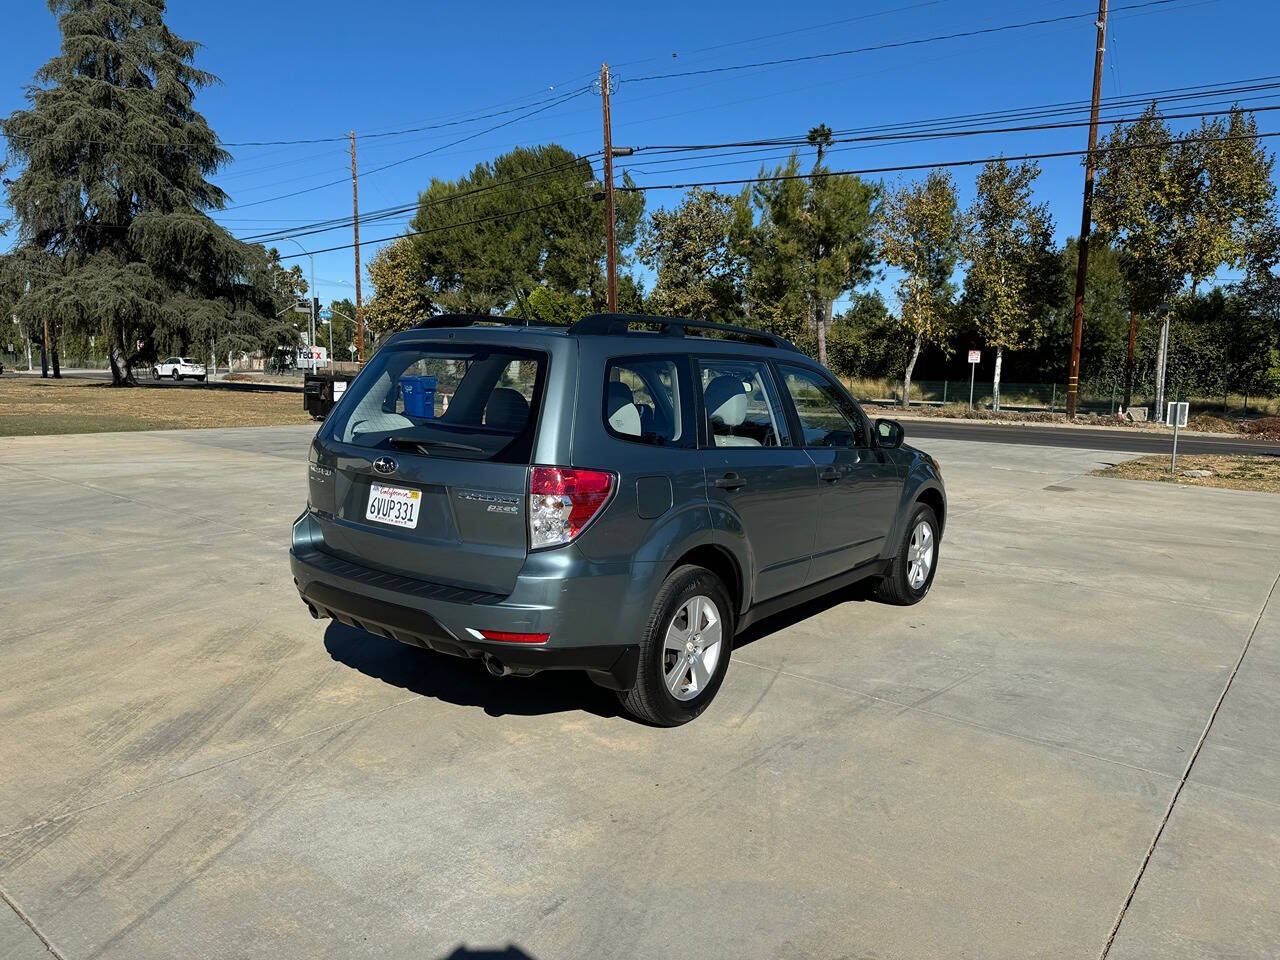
(111, 204)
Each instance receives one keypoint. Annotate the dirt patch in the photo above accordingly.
(1233, 472)
(31, 407)
(1265, 428)
(961, 411)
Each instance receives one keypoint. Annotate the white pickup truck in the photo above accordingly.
(179, 368)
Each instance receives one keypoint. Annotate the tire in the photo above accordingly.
(897, 585)
(176, 376)
(200, 379)
(687, 591)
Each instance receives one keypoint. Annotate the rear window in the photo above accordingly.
(642, 401)
(474, 402)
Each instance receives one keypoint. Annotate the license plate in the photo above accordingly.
(396, 506)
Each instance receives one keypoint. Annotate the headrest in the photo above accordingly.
(623, 414)
(506, 410)
(726, 399)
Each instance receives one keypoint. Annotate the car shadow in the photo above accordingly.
(510, 952)
(465, 682)
(857, 593)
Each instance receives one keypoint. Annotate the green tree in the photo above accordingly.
(1104, 348)
(111, 202)
(1008, 288)
(920, 235)
(699, 271)
(865, 340)
(526, 219)
(343, 321)
(1181, 206)
(812, 236)
(400, 295)
(820, 137)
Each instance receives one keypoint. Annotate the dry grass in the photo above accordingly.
(961, 411)
(1232, 472)
(30, 406)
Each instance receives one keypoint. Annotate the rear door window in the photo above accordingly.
(740, 404)
(474, 402)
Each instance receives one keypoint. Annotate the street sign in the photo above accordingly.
(975, 357)
(326, 314)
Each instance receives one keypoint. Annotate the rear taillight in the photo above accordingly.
(563, 500)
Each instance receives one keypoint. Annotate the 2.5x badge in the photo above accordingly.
(494, 502)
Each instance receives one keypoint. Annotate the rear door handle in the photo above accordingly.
(730, 481)
(830, 475)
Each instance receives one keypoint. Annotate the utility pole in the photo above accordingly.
(1086, 218)
(611, 251)
(355, 223)
(1128, 360)
(1162, 361)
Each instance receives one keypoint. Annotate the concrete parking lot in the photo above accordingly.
(193, 767)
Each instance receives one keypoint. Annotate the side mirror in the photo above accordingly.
(889, 434)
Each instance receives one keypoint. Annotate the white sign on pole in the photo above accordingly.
(975, 356)
(1176, 414)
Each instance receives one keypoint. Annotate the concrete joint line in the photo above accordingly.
(31, 924)
(1186, 773)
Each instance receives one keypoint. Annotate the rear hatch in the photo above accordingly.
(427, 462)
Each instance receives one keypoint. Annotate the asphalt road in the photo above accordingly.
(1128, 440)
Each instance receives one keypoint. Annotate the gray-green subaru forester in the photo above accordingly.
(620, 496)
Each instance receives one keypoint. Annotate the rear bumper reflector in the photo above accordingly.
(506, 636)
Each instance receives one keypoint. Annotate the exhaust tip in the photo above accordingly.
(315, 614)
(496, 666)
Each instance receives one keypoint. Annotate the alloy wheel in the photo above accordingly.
(691, 648)
(920, 555)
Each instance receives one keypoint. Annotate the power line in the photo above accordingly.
(1201, 91)
(891, 45)
(323, 226)
(388, 213)
(903, 168)
(637, 188)
(941, 133)
(297, 141)
(448, 226)
(764, 155)
(416, 156)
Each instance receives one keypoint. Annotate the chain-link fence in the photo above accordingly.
(1045, 397)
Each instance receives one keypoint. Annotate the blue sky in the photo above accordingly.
(309, 70)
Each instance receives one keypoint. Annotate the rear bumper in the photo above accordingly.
(589, 616)
(612, 666)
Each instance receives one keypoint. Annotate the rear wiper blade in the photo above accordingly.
(411, 443)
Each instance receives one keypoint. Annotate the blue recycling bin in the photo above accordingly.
(419, 396)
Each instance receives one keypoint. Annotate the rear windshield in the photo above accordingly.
(461, 401)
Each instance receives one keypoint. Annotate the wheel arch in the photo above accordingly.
(932, 498)
(720, 561)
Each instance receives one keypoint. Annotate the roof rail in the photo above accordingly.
(447, 320)
(602, 324)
